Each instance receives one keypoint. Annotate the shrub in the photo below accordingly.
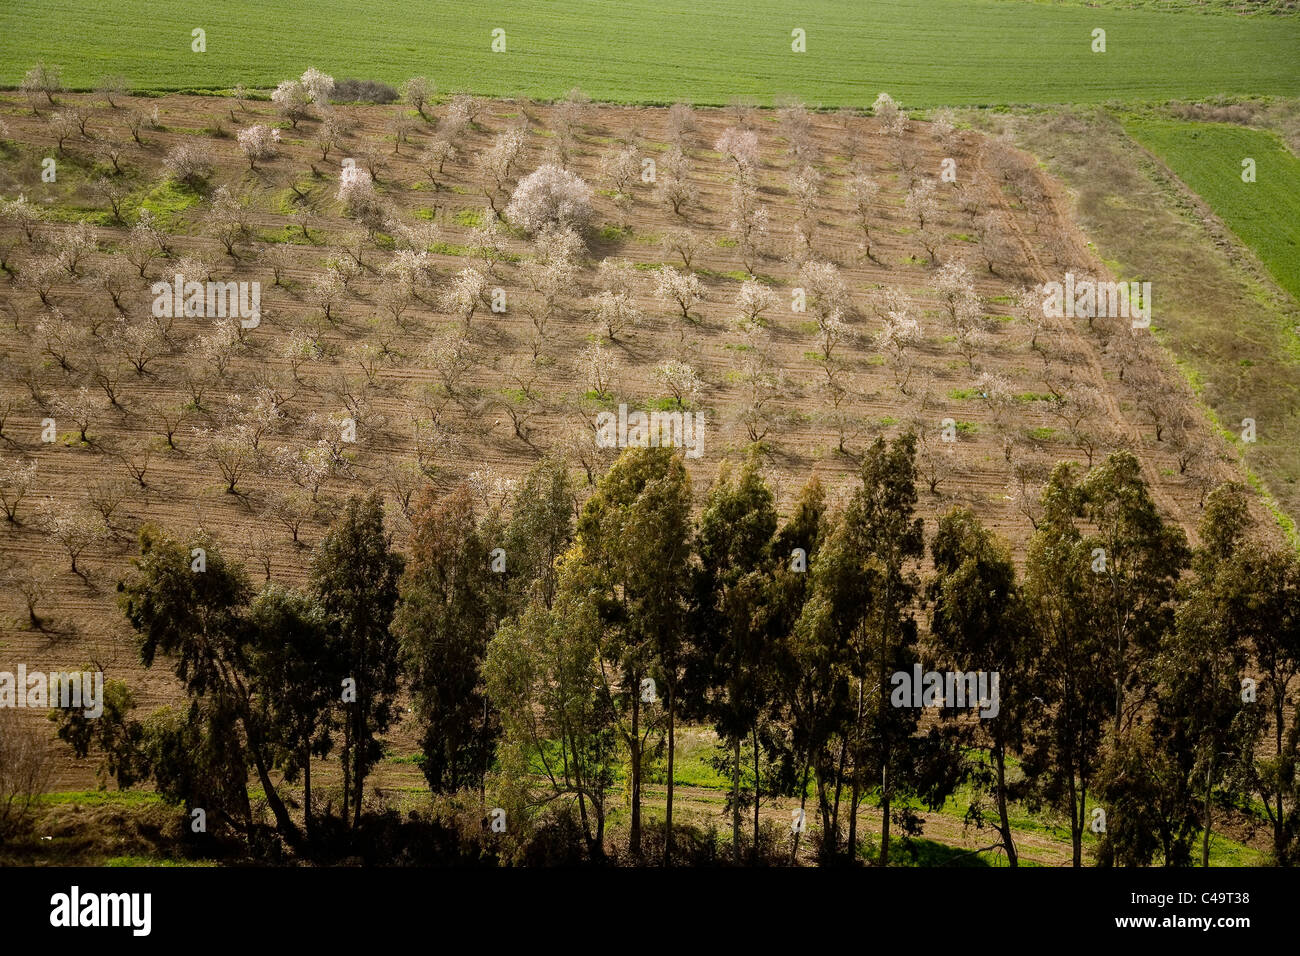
(25, 765)
(363, 91)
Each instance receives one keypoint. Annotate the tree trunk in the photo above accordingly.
(283, 822)
(884, 823)
(735, 799)
(668, 815)
(754, 848)
(346, 760)
(803, 799)
(1279, 822)
(306, 792)
(853, 820)
(358, 764)
(1077, 807)
(634, 838)
(1000, 757)
(839, 787)
(1209, 791)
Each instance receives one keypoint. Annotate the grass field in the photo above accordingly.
(1265, 214)
(924, 52)
(1234, 339)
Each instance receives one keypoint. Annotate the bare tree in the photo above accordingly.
(80, 406)
(16, 478)
(72, 527)
(417, 92)
(26, 764)
(110, 87)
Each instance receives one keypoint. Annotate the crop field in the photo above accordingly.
(1208, 157)
(440, 400)
(322, 338)
(925, 52)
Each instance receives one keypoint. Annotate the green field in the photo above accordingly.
(1265, 214)
(924, 52)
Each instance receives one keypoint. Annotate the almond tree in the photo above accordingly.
(218, 347)
(257, 143)
(795, 124)
(865, 192)
(23, 214)
(106, 372)
(16, 477)
(488, 241)
(805, 186)
(550, 196)
(762, 384)
(61, 126)
(292, 99)
(109, 87)
(434, 158)
(681, 380)
(615, 312)
(73, 527)
(683, 242)
(462, 111)
(957, 297)
(832, 331)
(599, 366)
(922, 204)
(137, 121)
(622, 168)
(681, 122)
(41, 80)
(452, 356)
(500, 163)
(75, 246)
(824, 289)
(229, 219)
(740, 148)
(357, 194)
(146, 231)
(189, 163)
(61, 338)
(81, 407)
(231, 451)
(327, 293)
(465, 295)
(673, 184)
(748, 222)
(567, 119)
(901, 333)
(417, 92)
(682, 289)
(752, 300)
(329, 135)
(114, 192)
